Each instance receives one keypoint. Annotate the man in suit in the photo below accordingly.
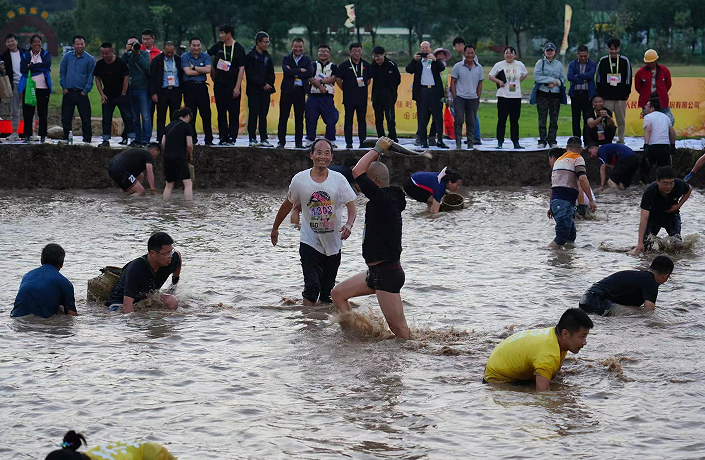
(297, 69)
(166, 78)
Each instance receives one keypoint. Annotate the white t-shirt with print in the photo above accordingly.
(321, 209)
(659, 123)
(513, 72)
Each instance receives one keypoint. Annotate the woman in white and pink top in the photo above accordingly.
(37, 61)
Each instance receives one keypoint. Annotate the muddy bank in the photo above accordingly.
(84, 167)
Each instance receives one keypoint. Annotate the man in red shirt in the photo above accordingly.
(148, 44)
(654, 80)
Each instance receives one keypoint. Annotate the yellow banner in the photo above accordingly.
(568, 18)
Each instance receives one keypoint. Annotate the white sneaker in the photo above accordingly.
(14, 137)
(553, 146)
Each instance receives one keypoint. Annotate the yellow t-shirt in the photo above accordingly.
(525, 355)
(130, 451)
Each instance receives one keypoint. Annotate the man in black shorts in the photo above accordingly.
(632, 288)
(381, 245)
(147, 274)
(126, 169)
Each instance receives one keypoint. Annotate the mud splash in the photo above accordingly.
(660, 245)
(613, 364)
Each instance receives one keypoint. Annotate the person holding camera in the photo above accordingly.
(138, 65)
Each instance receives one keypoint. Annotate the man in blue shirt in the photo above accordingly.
(581, 75)
(44, 291)
(623, 161)
(165, 78)
(76, 78)
(196, 65)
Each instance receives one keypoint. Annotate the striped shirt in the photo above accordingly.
(564, 178)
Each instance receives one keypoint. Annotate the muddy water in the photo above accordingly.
(262, 377)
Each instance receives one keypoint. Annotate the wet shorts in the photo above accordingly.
(121, 176)
(624, 170)
(386, 276)
(416, 192)
(595, 302)
(176, 168)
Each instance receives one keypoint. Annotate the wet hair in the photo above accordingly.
(582, 49)
(556, 152)
(574, 142)
(324, 45)
(665, 172)
(73, 440)
(155, 145)
(53, 254)
(157, 240)
(663, 265)
(321, 139)
(572, 320)
(227, 29)
(78, 37)
(148, 32)
(10, 35)
(467, 47)
(510, 48)
(31, 39)
(655, 103)
(106, 45)
(457, 40)
(613, 42)
(354, 45)
(452, 177)
(181, 112)
(297, 40)
(260, 36)
(192, 39)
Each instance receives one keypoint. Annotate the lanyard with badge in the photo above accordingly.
(170, 77)
(297, 80)
(614, 78)
(512, 78)
(225, 63)
(360, 79)
(600, 128)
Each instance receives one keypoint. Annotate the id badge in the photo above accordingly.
(170, 80)
(614, 79)
(600, 134)
(223, 65)
(360, 82)
(512, 87)
(297, 82)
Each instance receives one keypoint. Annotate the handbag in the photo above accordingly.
(30, 91)
(534, 92)
(5, 87)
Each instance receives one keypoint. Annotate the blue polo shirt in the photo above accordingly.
(41, 292)
(612, 153)
(77, 72)
(202, 60)
(429, 182)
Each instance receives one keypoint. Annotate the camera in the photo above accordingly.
(423, 55)
(136, 46)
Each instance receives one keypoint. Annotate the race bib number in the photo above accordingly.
(223, 65)
(360, 82)
(614, 79)
(512, 87)
(321, 215)
(170, 80)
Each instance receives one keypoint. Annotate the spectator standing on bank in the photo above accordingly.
(550, 79)
(614, 83)
(581, 74)
(352, 77)
(148, 38)
(466, 86)
(196, 65)
(386, 80)
(654, 81)
(12, 60)
(459, 47)
(259, 69)
(428, 92)
(227, 71)
(138, 91)
(297, 69)
(112, 81)
(38, 61)
(166, 76)
(508, 75)
(76, 78)
(320, 99)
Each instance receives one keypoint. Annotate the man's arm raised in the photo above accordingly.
(382, 145)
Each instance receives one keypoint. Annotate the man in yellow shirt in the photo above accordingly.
(538, 354)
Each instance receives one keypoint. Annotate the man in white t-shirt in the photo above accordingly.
(321, 193)
(659, 139)
(11, 66)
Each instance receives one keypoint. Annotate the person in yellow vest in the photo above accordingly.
(136, 450)
(537, 354)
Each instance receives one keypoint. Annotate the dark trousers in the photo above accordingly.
(581, 110)
(319, 271)
(429, 100)
(298, 100)
(350, 111)
(71, 100)
(42, 112)
(658, 220)
(258, 105)
(167, 100)
(465, 112)
(197, 99)
(659, 155)
(549, 105)
(383, 105)
(508, 107)
(324, 107)
(228, 112)
(123, 105)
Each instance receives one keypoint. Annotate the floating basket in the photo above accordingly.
(452, 202)
(100, 287)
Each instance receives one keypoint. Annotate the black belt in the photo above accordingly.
(170, 87)
(427, 86)
(75, 90)
(581, 91)
(195, 82)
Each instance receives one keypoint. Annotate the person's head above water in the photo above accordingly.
(53, 254)
(72, 441)
(574, 145)
(160, 249)
(554, 154)
(661, 267)
(453, 180)
(379, 174)
(321, 153)
(572, 330)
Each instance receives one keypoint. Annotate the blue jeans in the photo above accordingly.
(139, 103)
(478, 137)
(563, 215)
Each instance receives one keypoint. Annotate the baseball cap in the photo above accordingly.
(549, 46)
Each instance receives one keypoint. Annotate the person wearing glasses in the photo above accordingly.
(146, 274)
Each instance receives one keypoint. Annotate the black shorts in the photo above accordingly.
(386, 276)
(416, 192)
(624, 170)
(595, 302)
(121, 176)
(659, 154)
(176, 168)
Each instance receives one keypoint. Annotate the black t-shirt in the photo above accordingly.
(235, 54)
(134, 160)
(112, 75)
(176, 133)
(353, 94)
(138, 279)
(629, 287)
(386, 78)
(382, 235)
(653, 201)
